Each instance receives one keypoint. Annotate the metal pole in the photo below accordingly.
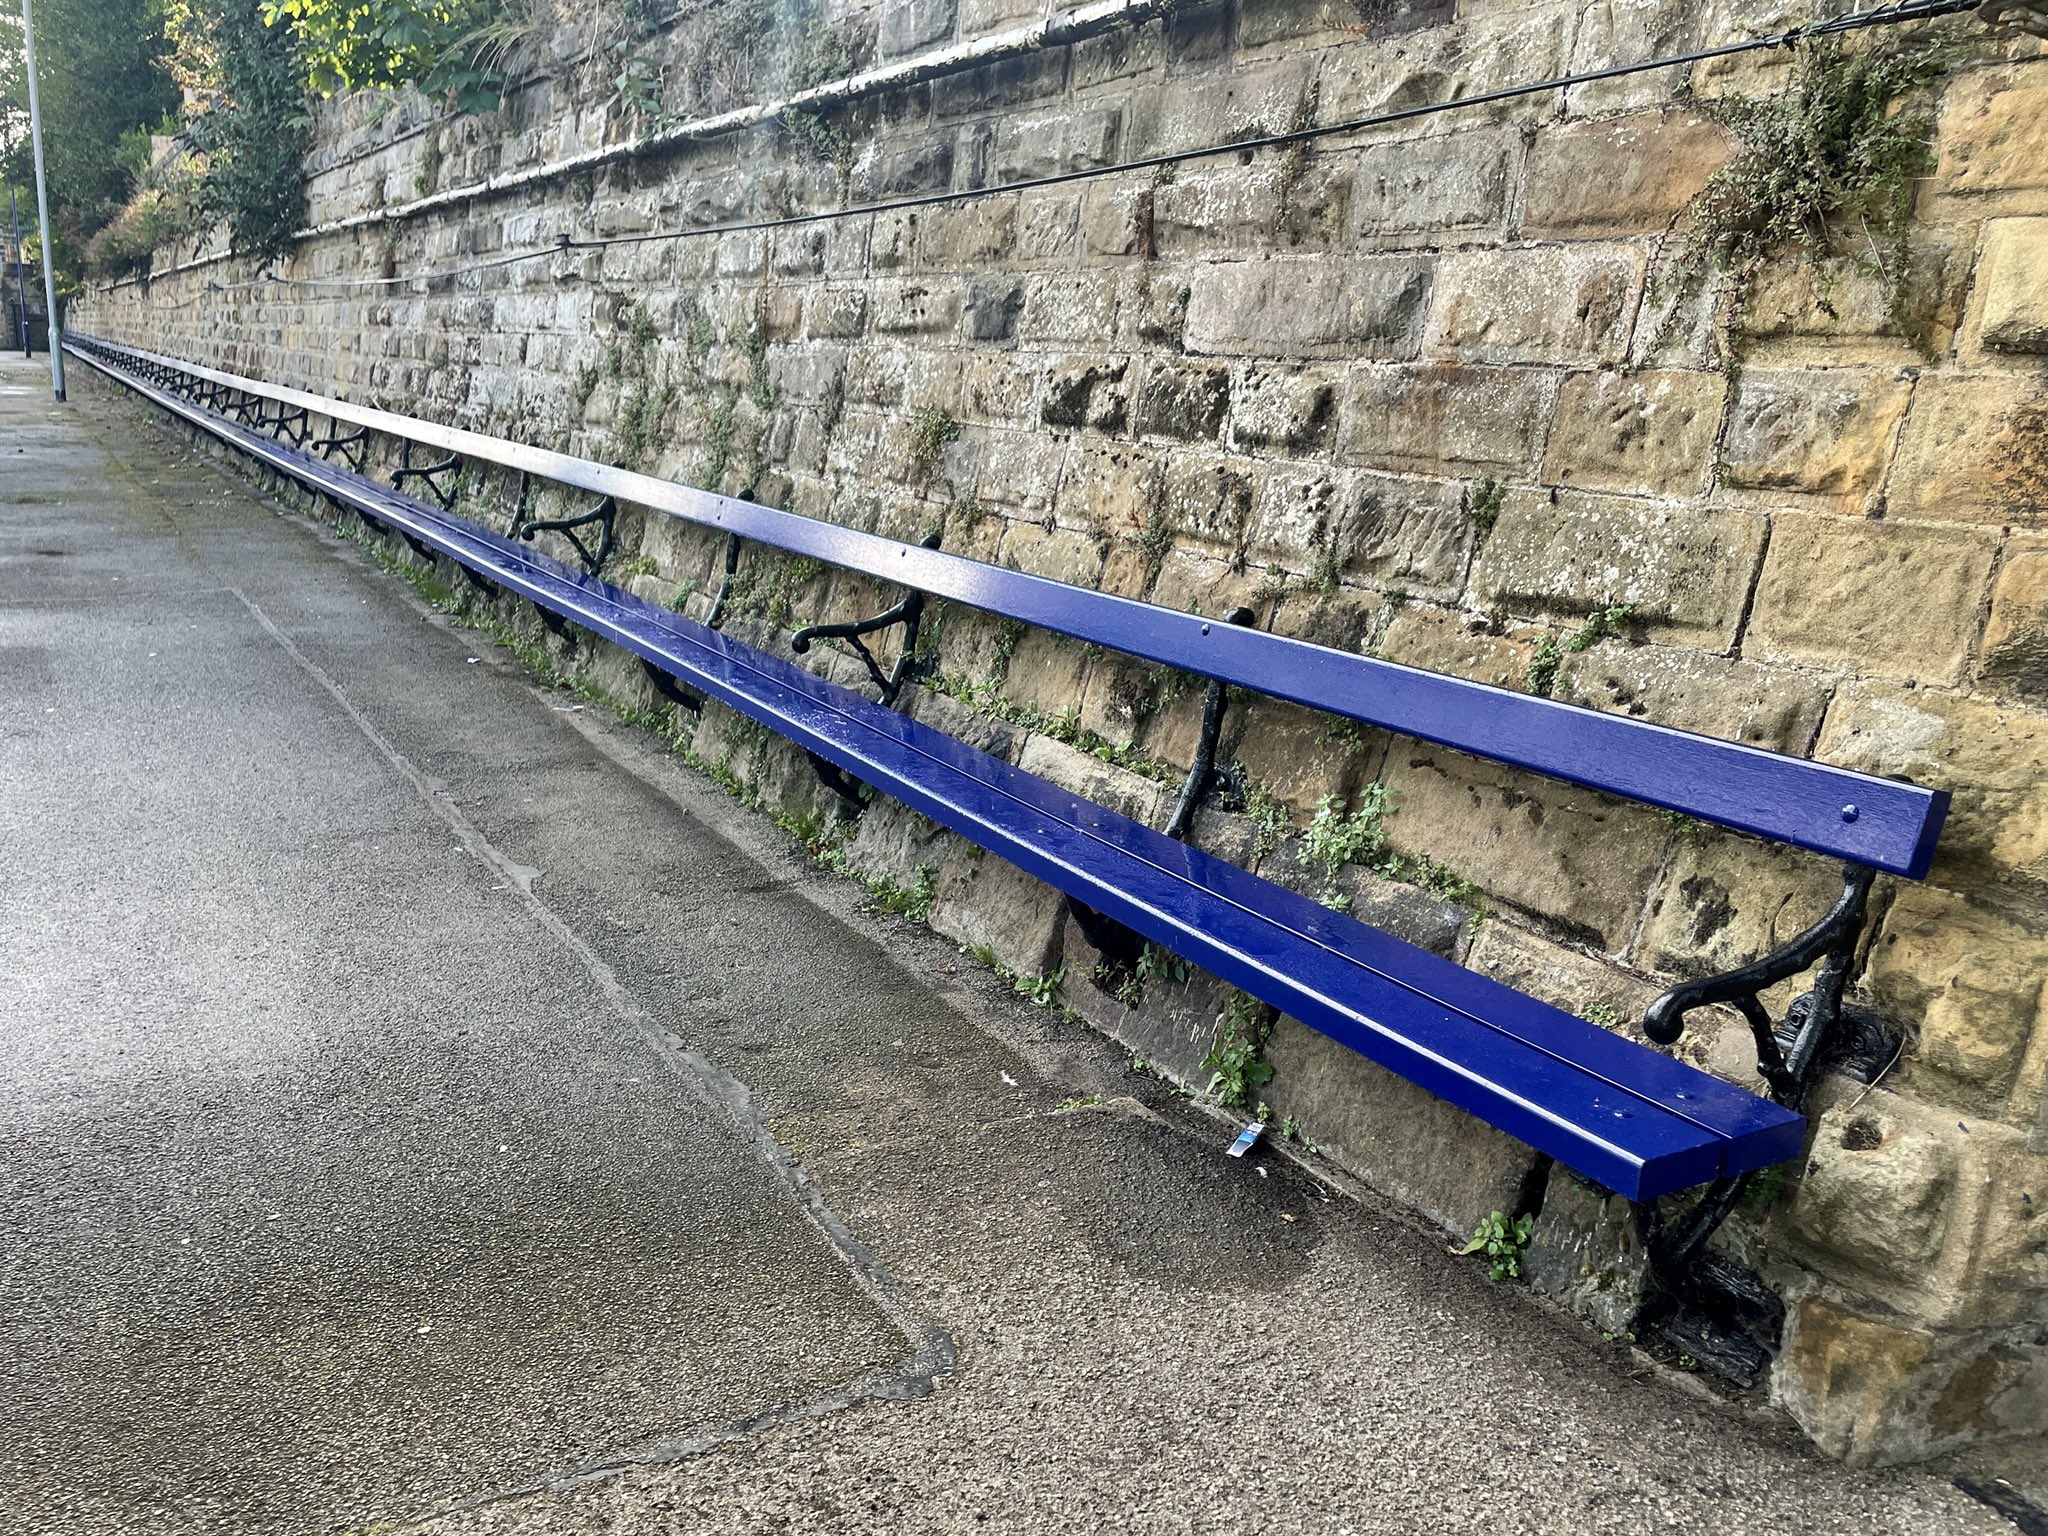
(28, 348)
(35, 128)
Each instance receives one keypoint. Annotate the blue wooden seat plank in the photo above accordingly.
(1881, 823)
(1618, 1112)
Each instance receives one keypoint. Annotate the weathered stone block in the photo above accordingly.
(1563, 854)
(1077, 308)
(1028, 148)
(1306, 307)
(1344, 618)
(1834, 593)
(984, 903)
(1683, 573)
(1394, 1135)
(908, 25)
(1620, 175)
(2015, 652)
(967, 235)
(1272, 21)
(1651, 432)
(1583, 1252)
(1457, 181)
(1413, 534)
(991, 308)
(1994, 760)
(1693, 691)
(1059, 554)
(1563, 977)
(916, 308)
(1830, 432)
(1290, 411)
(1457, 644)
(1445, 419)
(1970, 979)
(1021, 470)
(1558, 304)
(1849, 1380)
(1295, 520)
(1086, 392)
(1726, 900)
(1975, 450)
(1184, 400)
(1292, 753)
(2011, 293)
(1208, 496)
(1086, 775)
(1878, 1195)
(1110, 487)
(1993, 135)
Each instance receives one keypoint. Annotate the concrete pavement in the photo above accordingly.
(427, 1102)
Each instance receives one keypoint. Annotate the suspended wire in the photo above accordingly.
(1896, 14)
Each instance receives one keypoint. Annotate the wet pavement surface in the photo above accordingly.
(426, 1104)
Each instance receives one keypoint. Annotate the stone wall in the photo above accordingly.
(1412, 391)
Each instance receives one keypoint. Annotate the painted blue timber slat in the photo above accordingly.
(1883, 823)
(1636, 1121)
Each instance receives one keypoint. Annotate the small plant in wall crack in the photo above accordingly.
(1502, 1241)
(1336, 837)
(1236, 1069)
(927, 433)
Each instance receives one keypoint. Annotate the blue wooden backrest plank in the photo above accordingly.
(1883, 823)
(1606, 1129)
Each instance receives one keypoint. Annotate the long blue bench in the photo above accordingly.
(1621, 1114)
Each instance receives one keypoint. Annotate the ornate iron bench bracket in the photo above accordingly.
(888, 685)
(909, 613)
(430, 473)
(351, 447)
(604, 514)
(1817, 1030)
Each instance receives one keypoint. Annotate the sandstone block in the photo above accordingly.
(916, 308)
(1208, 497)
(1564, 854)
(1184, 400)
(1344, 619)
(1086, 392)
(1272, 21)
(1412, 534)
(1110, 487)
(1560, 976)
(991, 307)
(908, 25)
(1027, 148)
(2012, 287)
(1619, 175)
(1457, 644)
(1294, 520)
(1869, 597)
(1542, 304)
(1583, 1252)
(1825, 432)
(1971, 981)
(1993, 759)
(1879, 1196)
(1292, 753)
(1077, 308)
(1458, 181)
(1084, 774)
(1993, 136)
(2015, 653)
(967, 235)
(1021, 470)
(1726, 900)
(1693, 691)
(1445, 419)
(1975, 450)
(1684, 573)
(1361, 306)
(1059, 554)
(984, 903)
(1394, 1135)
(1846, 1378)
(1290, 411)
(1651, 432)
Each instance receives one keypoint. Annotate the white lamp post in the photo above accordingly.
(35, 128)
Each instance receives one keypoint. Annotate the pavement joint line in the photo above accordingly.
(933, 1351)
